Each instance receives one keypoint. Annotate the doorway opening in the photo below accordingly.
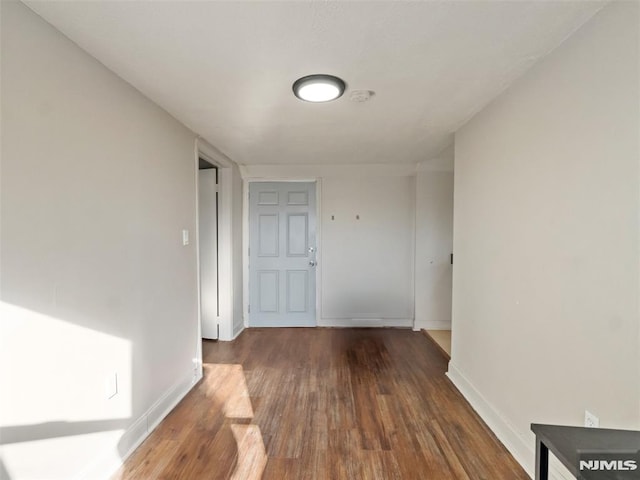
(208, 246)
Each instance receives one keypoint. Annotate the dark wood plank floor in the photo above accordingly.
(323, 404)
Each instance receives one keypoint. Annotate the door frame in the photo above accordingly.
(246, 231)
(204, 150)
(217, 251)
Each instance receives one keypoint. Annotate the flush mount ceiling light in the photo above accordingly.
(318, 88)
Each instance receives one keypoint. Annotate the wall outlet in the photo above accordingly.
(111, 385)
(590, 420)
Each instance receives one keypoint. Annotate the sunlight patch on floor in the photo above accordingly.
(228, 386)
(252, 457)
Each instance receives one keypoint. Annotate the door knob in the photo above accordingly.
(312, 263)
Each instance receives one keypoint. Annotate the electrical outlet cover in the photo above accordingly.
(590, 420)
(111, 385)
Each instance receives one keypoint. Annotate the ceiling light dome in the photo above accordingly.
(318, 88)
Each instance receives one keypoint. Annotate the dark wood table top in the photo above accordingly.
(568, 443)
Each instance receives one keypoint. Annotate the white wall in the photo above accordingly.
(366, 265)
(434, 244)
(97, 185)
(546, 223)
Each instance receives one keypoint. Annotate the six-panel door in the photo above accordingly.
(282, 254)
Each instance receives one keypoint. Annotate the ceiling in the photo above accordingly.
(225, 69)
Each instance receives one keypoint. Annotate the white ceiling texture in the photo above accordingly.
(225, 69)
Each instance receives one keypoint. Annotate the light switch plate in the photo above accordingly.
(185, 237)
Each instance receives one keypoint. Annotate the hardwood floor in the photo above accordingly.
(323, 404)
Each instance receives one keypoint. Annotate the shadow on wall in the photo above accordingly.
(4, 475)
(40, 431)
(12, 435)
(56, 403)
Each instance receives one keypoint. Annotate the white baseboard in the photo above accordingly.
(240, 330)
(502, 428)
(366, 322)
(435, 325)
(166, 403)
(107, 464)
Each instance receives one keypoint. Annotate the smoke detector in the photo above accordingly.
(360, 96)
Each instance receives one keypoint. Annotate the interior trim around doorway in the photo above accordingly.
(204, 150)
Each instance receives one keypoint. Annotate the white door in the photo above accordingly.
(282, 254)
(208, 247)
